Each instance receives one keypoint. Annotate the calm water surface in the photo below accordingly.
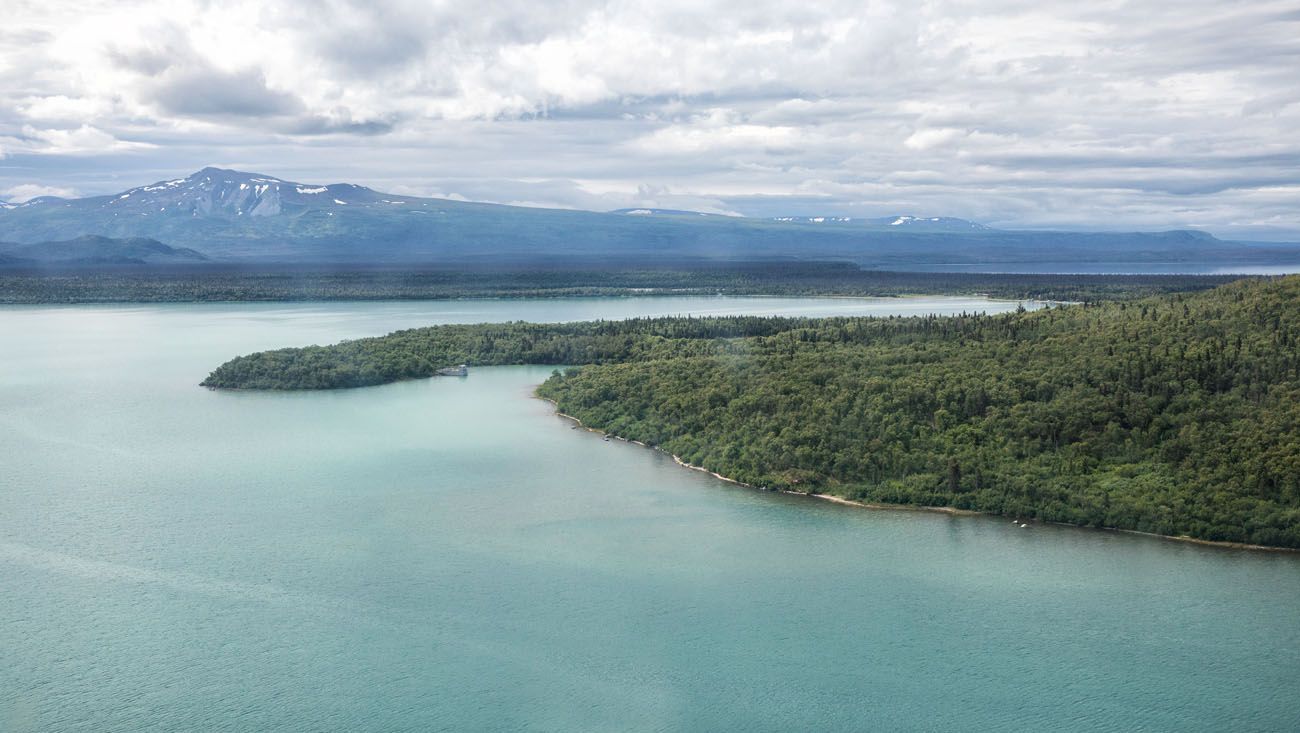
(1285, 267)
(448, 555)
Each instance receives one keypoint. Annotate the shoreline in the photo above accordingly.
(621, 293)
(951, 511)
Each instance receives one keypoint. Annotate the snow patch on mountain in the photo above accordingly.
(930, 224)
(814, 219)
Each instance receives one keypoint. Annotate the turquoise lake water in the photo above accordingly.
(448, 554)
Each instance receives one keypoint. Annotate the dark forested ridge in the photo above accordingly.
(90, 252)
(1178, 414)
(20, 282)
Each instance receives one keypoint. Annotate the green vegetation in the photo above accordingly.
(223, 283)
(1178, 414)
(419, 352)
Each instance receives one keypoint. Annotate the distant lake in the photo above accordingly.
(448, 554)
(1107, 268)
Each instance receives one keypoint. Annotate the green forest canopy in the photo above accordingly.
(1178, 414)
(228, 283)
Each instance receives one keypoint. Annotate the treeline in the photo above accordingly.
(218, 283)
(1178, 415)
(419, 352)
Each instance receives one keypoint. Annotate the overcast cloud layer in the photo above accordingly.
(1149, 115)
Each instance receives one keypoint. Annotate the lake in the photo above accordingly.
(1284, 267)
(448, 554)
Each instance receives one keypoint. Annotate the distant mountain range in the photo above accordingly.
(96, 250)
(661, 212)
(902, 223)
(232, 216)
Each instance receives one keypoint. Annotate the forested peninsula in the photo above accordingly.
(1177, 414)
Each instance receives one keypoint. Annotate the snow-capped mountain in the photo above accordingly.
(217, 192)
(234, 216)
(899, 223)
(660, 212)
(818, 219)
(934, 223)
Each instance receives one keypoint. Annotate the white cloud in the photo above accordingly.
(61, 108)
(988, 108)
(28, 191)
(80, 140)
(695, 139)
(933, 138)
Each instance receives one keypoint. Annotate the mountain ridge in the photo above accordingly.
(97, 250)
(236, 216)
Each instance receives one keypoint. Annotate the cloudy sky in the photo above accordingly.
(1132, 115)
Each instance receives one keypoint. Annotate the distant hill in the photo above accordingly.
(660, 212)
(95, 250)
(234, 216)
(902, 223)
(899, 223)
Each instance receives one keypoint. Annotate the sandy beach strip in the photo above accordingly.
(913, 507)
